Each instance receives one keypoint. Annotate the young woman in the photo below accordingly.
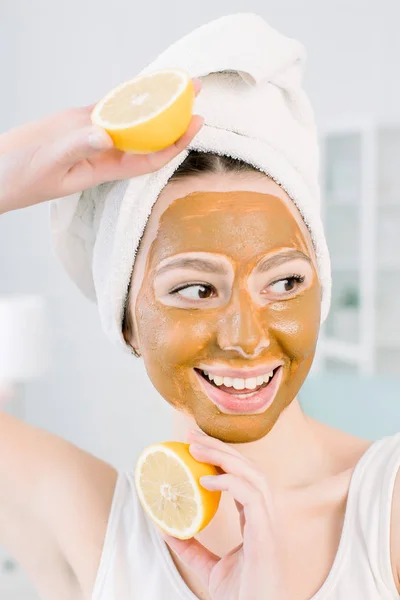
(225, 289)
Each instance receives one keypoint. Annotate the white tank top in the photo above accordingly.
(136, 564)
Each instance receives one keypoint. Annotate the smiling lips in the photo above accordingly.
(250, 384)
(241, 396)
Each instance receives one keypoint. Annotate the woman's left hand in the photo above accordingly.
(252, 570)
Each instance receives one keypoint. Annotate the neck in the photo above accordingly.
(290, 455)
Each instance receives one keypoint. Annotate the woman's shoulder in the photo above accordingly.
(395, 521)
(373, 500)
(132, 551)
(376, 499)
(116, 525)
(344, 449)
(97, 483)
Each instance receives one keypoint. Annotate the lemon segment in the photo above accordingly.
(167, 482)
(147, 113)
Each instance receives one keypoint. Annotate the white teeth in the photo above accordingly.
(238, 383)
(268, 376)
(251, 383)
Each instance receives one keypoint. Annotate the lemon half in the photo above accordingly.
(167, 481)
(147, 113)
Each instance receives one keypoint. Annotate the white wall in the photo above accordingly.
(57, 53)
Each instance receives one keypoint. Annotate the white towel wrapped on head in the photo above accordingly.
(255, 110)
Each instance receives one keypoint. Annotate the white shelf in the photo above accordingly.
(389, 344)
(386, 266)
(345, 266)
(349, 266)
(336, 203)
(360, 192)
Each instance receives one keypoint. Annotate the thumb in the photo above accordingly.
(81, 144)
(194, 555)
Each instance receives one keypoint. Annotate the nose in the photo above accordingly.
(240, 330)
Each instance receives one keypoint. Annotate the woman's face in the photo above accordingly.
(225, 282)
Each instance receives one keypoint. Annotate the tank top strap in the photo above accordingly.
(371, 499)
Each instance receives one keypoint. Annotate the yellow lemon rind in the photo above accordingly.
(206, 511)
(96, 113)
(155, 131)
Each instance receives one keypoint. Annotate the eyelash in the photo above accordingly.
(192, 284)
(298, 278)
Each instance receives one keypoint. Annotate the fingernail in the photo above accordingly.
(100, 140)
(208, 480)
(198, 448)
(201, 119)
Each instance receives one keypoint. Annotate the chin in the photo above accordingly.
(237, 429)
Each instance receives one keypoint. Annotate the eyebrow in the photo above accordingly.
(213, 267)
(193, 263)
(278, 259)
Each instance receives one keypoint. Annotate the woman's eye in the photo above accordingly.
(287, 285)
(195, 291)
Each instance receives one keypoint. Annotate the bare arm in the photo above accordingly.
(54, 505)
(63, 153)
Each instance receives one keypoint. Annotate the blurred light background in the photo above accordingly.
(58, 54)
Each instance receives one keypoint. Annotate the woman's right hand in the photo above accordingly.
(252, 570)
(64, 153)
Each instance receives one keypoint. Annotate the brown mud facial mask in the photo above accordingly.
(230, 295)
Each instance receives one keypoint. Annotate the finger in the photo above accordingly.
(233, 464)
(113, 164)
(195, 125)
(234, 550)
(242, 518)
(197, 84)
(88, 108)
(206, 440)
(194, 555)
(80, 145)
(258, 532)
(162, 157)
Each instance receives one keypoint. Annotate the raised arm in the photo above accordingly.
(64, 153)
